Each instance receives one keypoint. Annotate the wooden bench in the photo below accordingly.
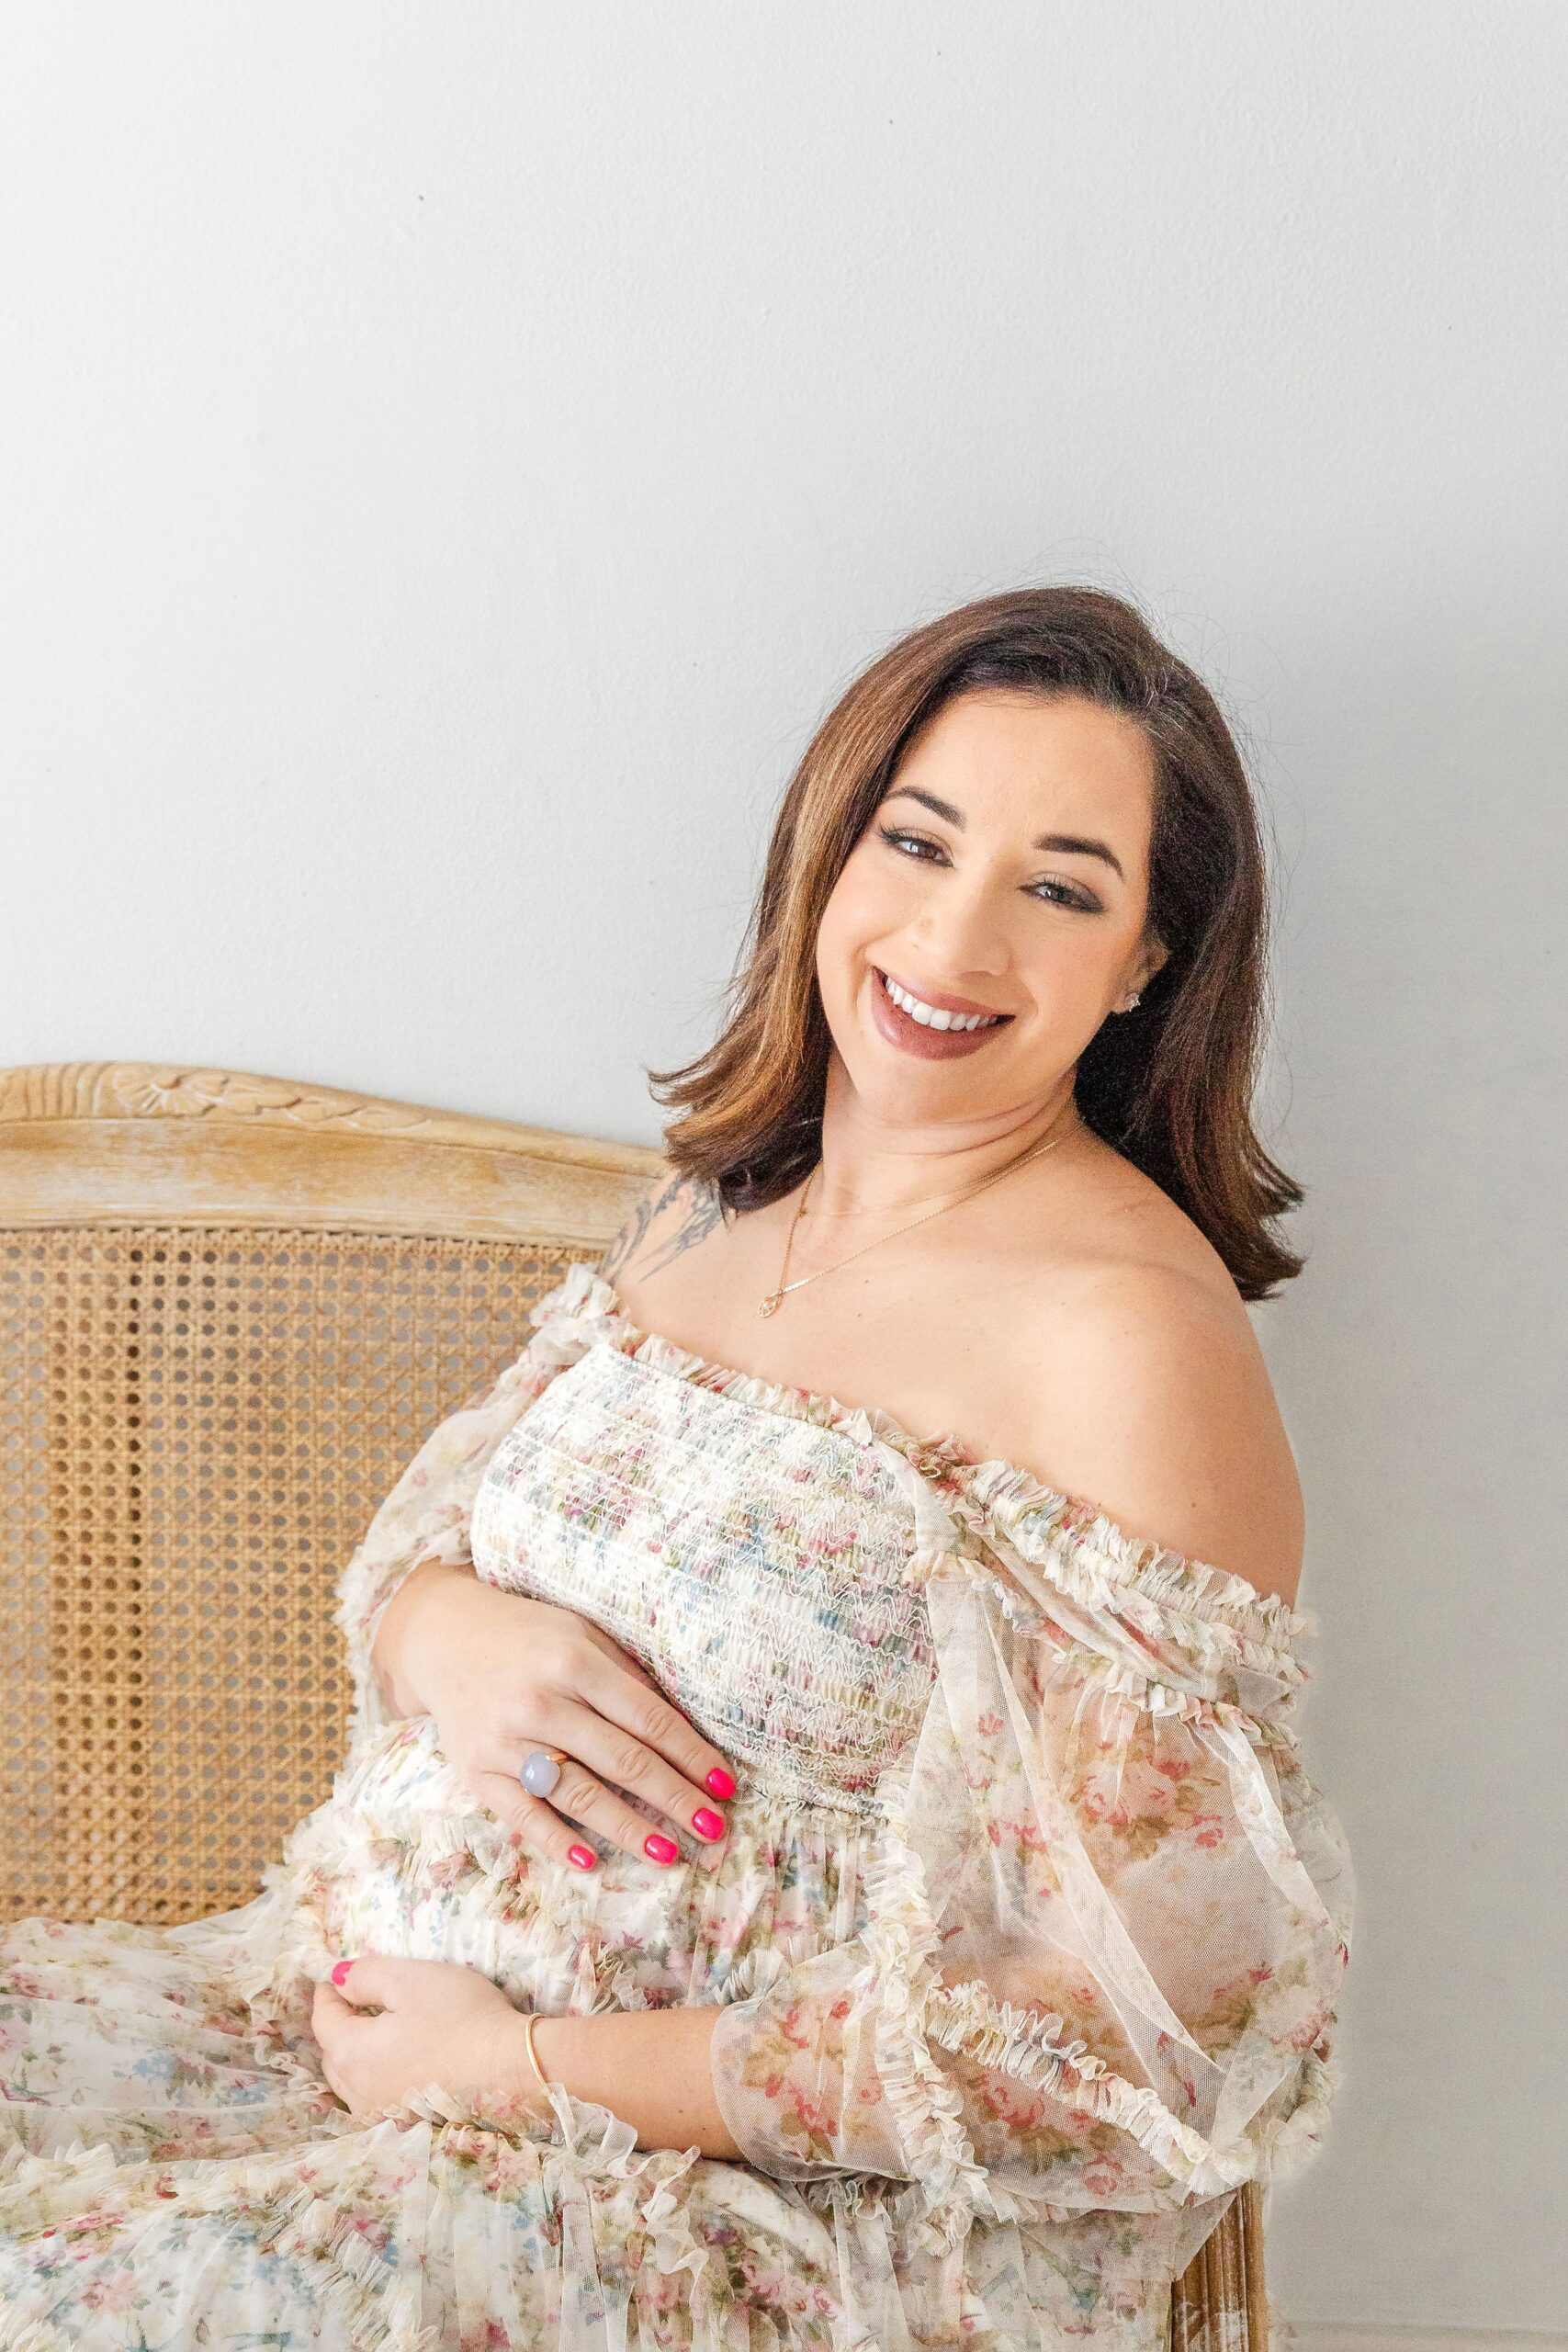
(230, 1309)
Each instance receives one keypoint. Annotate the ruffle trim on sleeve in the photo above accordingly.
(580, 1312)
(1083, 1543)
(968, 2020)
(1186, 1625)
(1295, 2142)
(927, 2108)
(916, 2010)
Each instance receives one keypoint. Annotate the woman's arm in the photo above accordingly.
(649, 2066)
(394, 1657)
(424, 1520)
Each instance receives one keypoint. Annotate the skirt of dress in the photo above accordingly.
(176, 2176)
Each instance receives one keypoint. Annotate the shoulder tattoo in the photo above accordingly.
(663, 1227)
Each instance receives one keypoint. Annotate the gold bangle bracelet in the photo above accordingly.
(539, 2074)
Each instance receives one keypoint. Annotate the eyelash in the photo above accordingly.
(895, 834)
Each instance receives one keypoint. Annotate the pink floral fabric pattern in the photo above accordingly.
(1026, 1936)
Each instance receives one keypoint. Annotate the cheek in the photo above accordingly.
(866, 907)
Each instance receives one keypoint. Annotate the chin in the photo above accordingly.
(899, 1086)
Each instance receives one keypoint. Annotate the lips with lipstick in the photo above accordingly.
(935, 1027)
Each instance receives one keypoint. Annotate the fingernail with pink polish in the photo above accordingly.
(706, 1824)
(341, 1970)
(659, 1849)
(720, 1782)
(583, 1856)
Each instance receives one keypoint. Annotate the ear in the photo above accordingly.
(1159, 955)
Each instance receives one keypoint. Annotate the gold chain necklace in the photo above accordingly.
(769, 1305)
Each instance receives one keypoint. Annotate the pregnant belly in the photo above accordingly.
(399, 1862)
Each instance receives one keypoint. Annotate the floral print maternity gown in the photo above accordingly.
(1027, 1933)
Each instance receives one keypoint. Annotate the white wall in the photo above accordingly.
(451, 457)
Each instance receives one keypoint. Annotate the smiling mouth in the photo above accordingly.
(936, 1017)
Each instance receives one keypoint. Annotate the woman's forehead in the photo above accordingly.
(1082, 769)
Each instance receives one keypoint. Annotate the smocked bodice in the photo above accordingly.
(753, 1563)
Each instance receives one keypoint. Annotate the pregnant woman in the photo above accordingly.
(823, 1857)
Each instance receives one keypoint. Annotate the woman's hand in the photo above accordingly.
(503, 1674)
(443, 2023)
(399, 2024)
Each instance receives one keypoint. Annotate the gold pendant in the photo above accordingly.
(769, 1305)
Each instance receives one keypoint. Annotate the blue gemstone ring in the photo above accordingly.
(541, 1771)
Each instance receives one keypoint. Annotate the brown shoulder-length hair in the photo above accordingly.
(1168, 1085)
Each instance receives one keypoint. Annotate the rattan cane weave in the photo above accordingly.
(201, 1423)
(231, 1308)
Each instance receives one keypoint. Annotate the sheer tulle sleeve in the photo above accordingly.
(1111, 1913)
(427, 1513)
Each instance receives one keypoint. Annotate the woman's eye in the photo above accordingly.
(1069, 897)
(908, 843)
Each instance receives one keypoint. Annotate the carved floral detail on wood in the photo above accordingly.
(162, 1089)
(167, 1090)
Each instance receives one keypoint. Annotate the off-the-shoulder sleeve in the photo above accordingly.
(426, 1516)
(1112, 1913)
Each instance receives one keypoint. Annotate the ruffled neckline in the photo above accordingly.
(1093, 1548)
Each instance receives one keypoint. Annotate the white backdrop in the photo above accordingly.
(451, 459)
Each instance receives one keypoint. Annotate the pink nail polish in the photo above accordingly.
(719, 1781)
(659, 1849)
(341, 1970)
(583, 1856)
(706, 1824)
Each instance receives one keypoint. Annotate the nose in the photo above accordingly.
(960, 932)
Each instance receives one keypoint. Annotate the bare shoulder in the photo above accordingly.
(673, 1215)
(1153, 1400)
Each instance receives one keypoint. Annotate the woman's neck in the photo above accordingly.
(874, 1167)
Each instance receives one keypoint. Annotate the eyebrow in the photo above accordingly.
(954, 817)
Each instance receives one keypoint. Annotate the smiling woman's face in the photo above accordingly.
(1002, 886)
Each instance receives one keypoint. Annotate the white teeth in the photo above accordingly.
(930, 1018)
